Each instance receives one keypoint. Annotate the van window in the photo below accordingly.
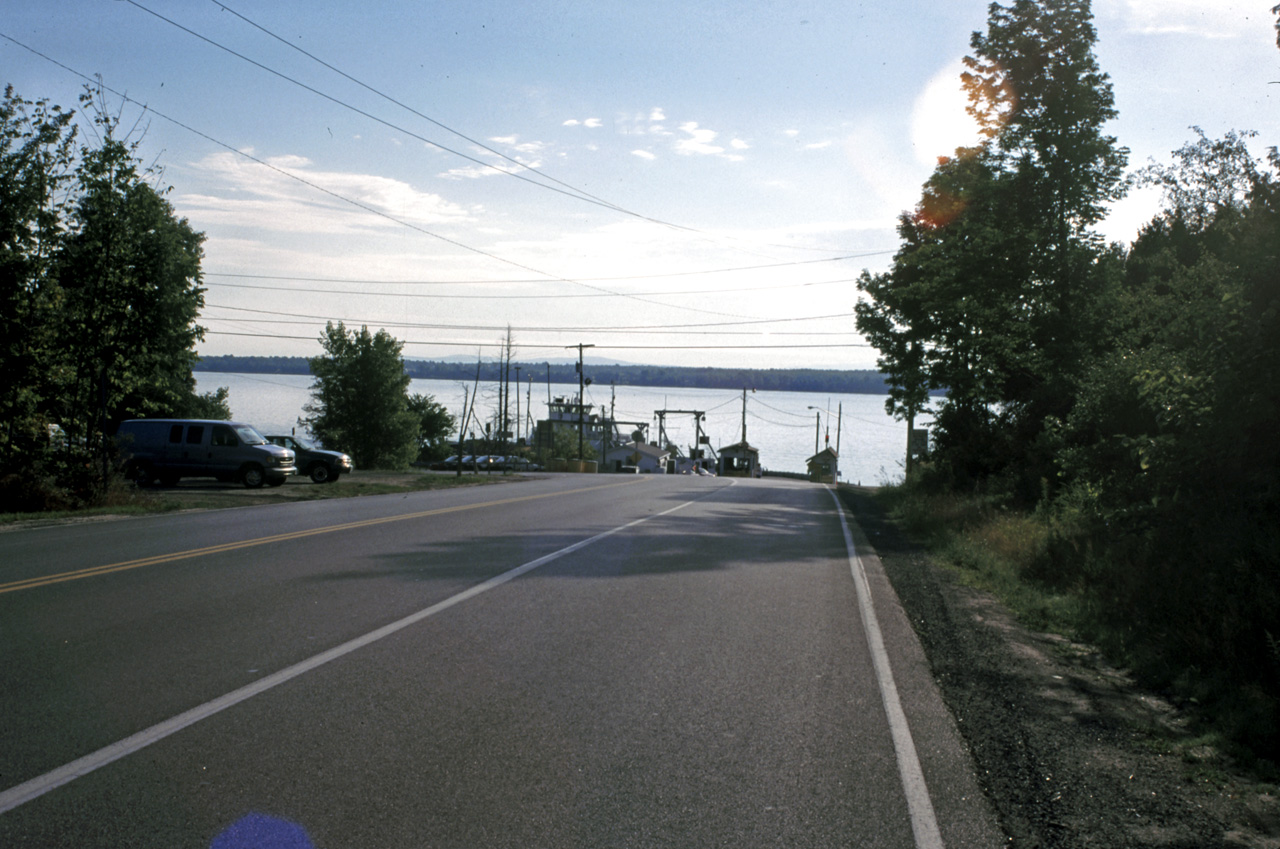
(175, 434)
(223, 435)
(249, 436)
(195, 434)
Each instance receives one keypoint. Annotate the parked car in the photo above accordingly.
(167, 450)
(320, 464)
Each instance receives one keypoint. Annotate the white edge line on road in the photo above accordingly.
(36, 787)
(924, 823)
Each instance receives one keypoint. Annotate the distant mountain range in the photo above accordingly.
(863, 381)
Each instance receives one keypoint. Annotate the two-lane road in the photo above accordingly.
(569, 661)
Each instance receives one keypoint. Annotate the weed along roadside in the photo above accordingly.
(1070, 748)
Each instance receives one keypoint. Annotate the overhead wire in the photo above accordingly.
(579, 329)
(613, 279)
(479, 251)
(575, 193)
(364, 207)
(515, 296)
(556, 330)
(602, 346)
(582, 193)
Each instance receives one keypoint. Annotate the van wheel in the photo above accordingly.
(319, 473)
(141, 474)
(253, 477)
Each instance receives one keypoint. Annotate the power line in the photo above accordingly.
(568, 190)
(559, 330)
(408, 108)
(504, 296)
(352, 202)
(654, 327)
(611, 347)
(370, 116)
(614, 279)
(576, 190)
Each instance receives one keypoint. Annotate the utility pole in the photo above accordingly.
(582, 397)
(744, 418)
(609, 425)
(839, 422)
(506, 396)
(517, 404)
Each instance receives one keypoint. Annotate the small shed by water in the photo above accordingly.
(822, 466)
(740, 460)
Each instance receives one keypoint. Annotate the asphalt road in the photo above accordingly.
(600, 661)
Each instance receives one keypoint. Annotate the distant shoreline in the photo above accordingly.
(853, 382)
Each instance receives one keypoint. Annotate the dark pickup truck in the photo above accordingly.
(320, 464)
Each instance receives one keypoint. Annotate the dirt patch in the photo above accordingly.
(1071, 751)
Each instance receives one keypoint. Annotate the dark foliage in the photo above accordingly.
(1128, 396)
(99, 296)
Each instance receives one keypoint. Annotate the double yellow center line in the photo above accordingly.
(94, 571)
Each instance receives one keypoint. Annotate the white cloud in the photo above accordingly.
(572, 122)
(657, 115)
(1204, 18)
(822, 145)
(739, 144)
(593, 123)
(699, 141)
(528, 148)
(529, 159)
(264, 200)
(644, 154)
(469, 172)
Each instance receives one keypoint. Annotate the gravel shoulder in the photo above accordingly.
(1070, 751)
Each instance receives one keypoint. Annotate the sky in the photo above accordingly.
(690, 183)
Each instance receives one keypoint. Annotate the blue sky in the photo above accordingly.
(698, 183)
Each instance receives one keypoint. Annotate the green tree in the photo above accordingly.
(435, 423)
(130, 273)
(992, 293)
(36, 155)
(564, 445)
(208, 405)
(1170, 457)
(360, 401)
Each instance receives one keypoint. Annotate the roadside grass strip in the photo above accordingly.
(37, 787)
(107, 569)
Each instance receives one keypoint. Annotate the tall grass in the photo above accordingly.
(989, 547)
(1195, 626)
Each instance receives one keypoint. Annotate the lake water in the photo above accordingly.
(781, 424)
